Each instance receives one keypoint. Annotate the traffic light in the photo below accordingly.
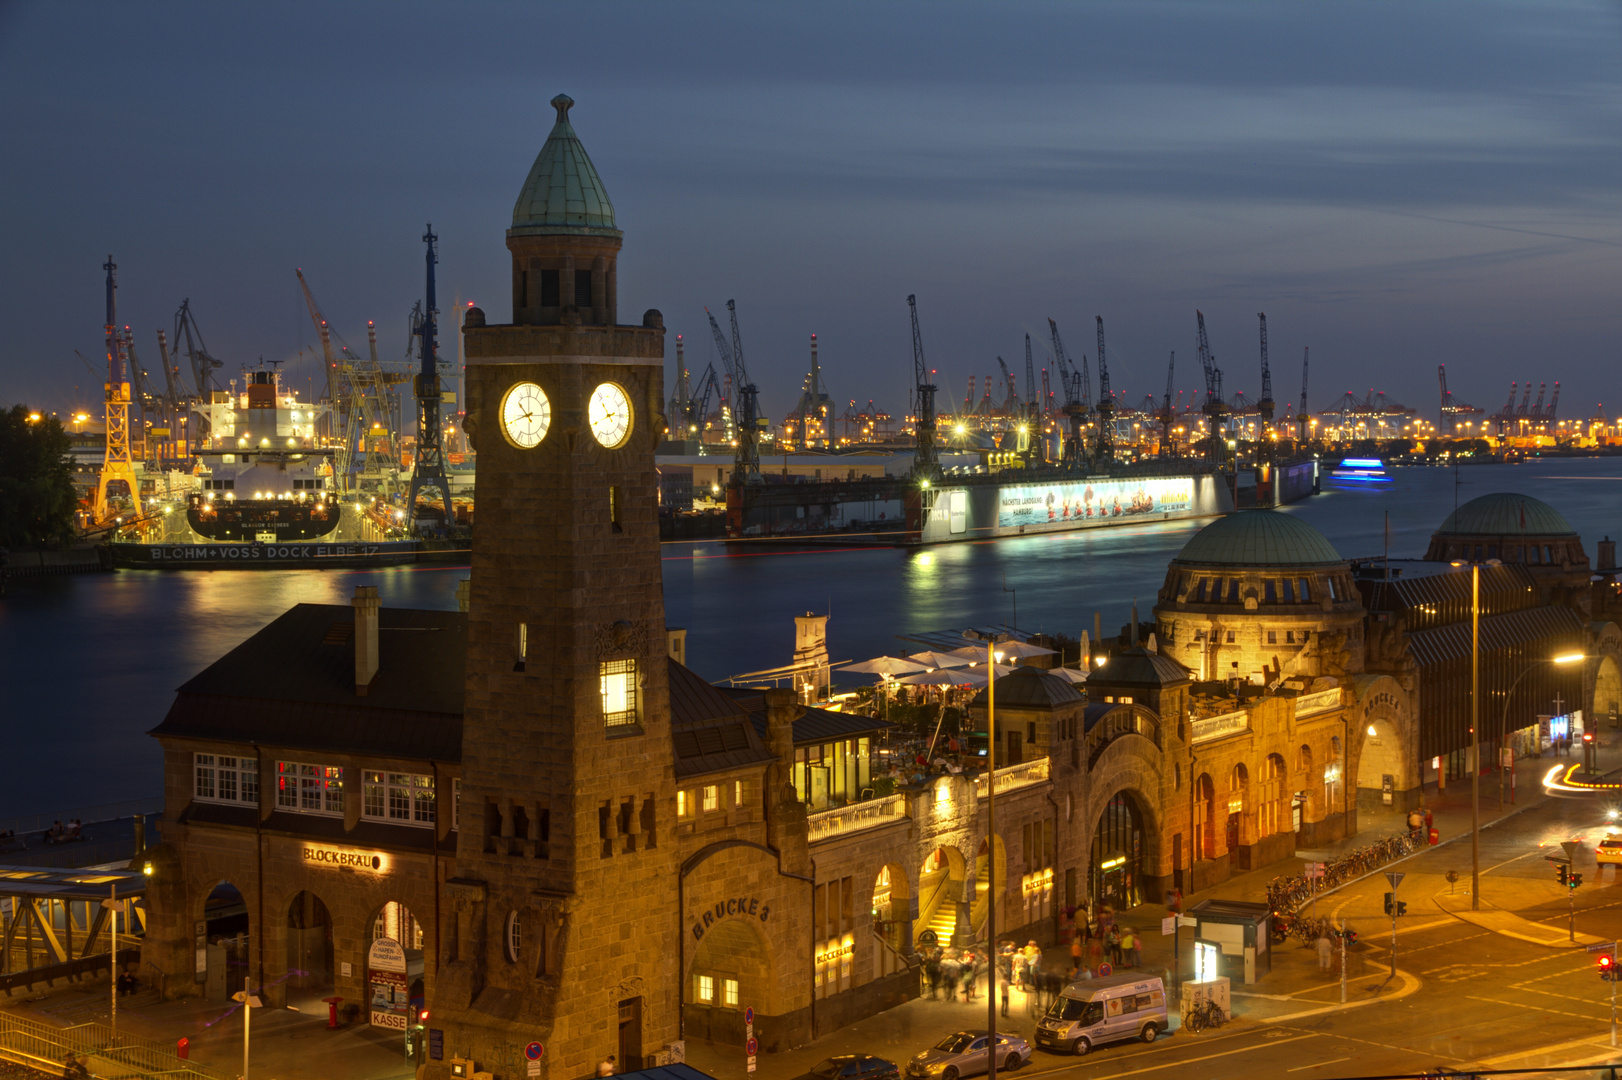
(1562, 874)
(1607, 966)
(1402, 907)
(1349, 936)
(1576, 880)
(1388, 903)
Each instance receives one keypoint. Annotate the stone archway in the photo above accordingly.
(394, 967)
(1607, 693)
(940, 890)
(733, 967)
(228, 941)
(1121, 856)
(309, 946)
(892, 908)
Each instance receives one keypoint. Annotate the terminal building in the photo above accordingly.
(529, 819)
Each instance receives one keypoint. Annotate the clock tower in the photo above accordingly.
(562, 920)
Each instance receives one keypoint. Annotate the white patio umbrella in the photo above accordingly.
(1006, 650)
(945, 678)
(885, 665)
(1070, 675)
(930, 659)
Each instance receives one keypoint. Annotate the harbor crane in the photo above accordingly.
(1264, 404)
(1076, 389)
(1011, 402)
(428, 469)
(1031, 404)
(203, 365)
(1165, 414)
(1215, 409)
(361, 420)
(1105, 436)
(746, 465)
(924, 465)
(1452, 407)
(729, 411)
(968, 397)
(680, 408)
(116, 465)
(1302, 429)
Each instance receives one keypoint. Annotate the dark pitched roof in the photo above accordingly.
(1138, 667)
(1556, 625)
(709, 731)
(815, 726)
(1031, 687)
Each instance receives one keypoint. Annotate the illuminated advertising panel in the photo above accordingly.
(1067, 502)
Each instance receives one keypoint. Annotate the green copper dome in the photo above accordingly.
(563, 195)
(1259, 538)
(1506, 514)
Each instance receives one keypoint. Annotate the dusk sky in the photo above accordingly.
(1395, 185)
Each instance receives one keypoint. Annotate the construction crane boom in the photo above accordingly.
(1030, 380)
(924, 466)
(746, 466)
(1214, 408)
(1011, 402)
(1265, 405)
(1105, 436)
(428, 469)
(1075, 388)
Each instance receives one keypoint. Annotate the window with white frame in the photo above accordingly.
(737, 793)
(704, 988)
(729, 993)
(223, 778)
(403, 798)
(310, 789)
(712, 797)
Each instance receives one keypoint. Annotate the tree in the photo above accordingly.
(36, 482)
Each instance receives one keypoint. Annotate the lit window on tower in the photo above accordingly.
(618, 684)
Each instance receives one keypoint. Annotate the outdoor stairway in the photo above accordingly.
(944, 922)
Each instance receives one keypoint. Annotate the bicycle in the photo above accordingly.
(1206, 1014)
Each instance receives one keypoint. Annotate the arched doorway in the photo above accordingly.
(309, 947)
(940, 888)
(1238, 803)
(1118, 849)
(227, 942)
(892, 914)
(990, 874)
(731, 969)
(1607, 692)
(394, 968)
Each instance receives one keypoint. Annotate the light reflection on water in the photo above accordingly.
(89, 664)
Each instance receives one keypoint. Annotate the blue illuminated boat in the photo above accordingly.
(1360, 471)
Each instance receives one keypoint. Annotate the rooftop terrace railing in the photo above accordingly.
(1220, 727)
(857, 816)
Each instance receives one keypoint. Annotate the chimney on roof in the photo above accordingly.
(365, 605)
(676, 644)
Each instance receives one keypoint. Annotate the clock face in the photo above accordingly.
(609, 414)
(525, 415)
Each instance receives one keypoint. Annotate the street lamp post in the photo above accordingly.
(1475, 737)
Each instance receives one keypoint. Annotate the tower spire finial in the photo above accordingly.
(563, 103)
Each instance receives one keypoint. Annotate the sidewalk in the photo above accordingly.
(284, 1043)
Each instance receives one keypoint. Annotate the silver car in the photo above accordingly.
(963, 1053)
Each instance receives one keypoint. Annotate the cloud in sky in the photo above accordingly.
(1397, 185)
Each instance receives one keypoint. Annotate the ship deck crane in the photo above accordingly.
(1105, 436)
(925, 467)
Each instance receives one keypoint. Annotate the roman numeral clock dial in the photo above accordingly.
(526, 414)
(609, 413)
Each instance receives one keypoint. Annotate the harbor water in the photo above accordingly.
(89, 663)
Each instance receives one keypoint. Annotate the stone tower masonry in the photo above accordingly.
(562, 920)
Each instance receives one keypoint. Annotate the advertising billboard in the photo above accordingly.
(1067, 502)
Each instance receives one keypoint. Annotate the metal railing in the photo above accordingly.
(1024, 774)
(89, 815)
(26, 1041)
(856, 816)
(1217, 727)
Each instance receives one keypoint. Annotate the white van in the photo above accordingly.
(1091, 1012)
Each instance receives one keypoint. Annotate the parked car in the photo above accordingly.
(853, 1067)
(964, 1053)
(1090, 1012)
(1608, 851)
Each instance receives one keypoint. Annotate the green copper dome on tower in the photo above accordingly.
(1259, 538)
(563, 195)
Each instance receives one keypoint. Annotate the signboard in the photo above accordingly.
(386, 978)
(436, 1044)
(1105, 969)
(534, 1051)
(1069, 501)
(344, 857)
(1395, 878)
(1168, 926)
(532, 1067)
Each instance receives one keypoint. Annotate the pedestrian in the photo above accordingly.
(606, 1067)
(1075, 955)
(971, 970)
(932, 971)
(1112, 939)
(1132, 945)
(1324, 948)
(74, 1069)
(951, 972)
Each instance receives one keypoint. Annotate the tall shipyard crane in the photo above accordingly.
(1032, 405)
(1076, 389)
(729, 414)
(746, 465)
(1010, 403)
(203, 367)
(1105, 436)
(1264, 404)
(1165, 414)
(679, 410)
(428, 470)
(1452, 407)
(358, 390)
(1215, 409)
(924, 465)
(116, 464)
(1302, 428)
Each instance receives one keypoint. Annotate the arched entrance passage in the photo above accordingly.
(226, 933)
(309, 946)
(991, 874)
(731, 969)
(940, 888)
(1607, 692)
(892, 910)
(1118, 852)
(1238, 803)
(394, 982)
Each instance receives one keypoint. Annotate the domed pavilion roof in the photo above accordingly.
(1259, 538)
(563, 195)
(1138, 667)
(1506, 514)
(1031, 687)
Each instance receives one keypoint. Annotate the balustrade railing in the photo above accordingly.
(1321, 702)
(857, 816)
(1217, 727)
(1024, 774)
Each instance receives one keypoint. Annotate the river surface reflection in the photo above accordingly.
(89, 664)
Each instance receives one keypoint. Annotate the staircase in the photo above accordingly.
(944, 921)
